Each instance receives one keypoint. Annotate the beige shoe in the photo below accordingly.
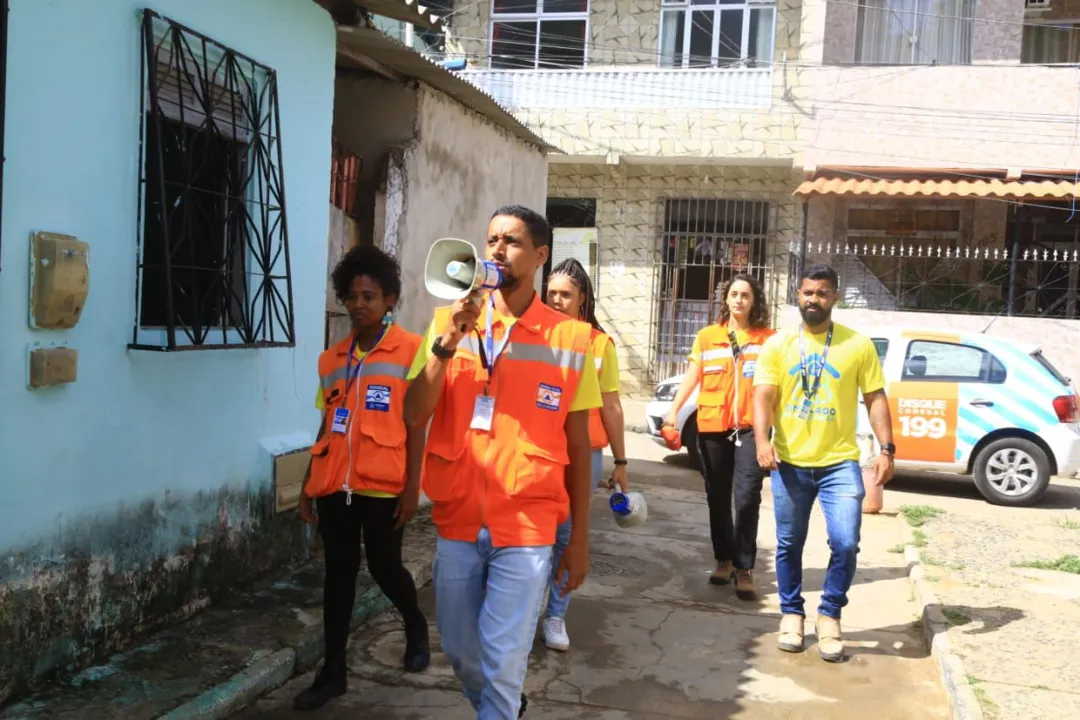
(830, 644)
(722, 574)
(791, 634)
(744, 585)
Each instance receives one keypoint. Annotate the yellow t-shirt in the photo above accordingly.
(320, 404)
(741, 336)
(586, 397)
(852, 367)
(609, 369)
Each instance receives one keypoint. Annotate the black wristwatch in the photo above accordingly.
(620, 462)
(889, 449)
(439, 351)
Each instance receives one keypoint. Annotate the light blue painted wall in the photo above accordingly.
(137, 425)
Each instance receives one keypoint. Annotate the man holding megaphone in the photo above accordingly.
(510, 383)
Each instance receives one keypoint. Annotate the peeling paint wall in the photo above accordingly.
(135, 495)
(456, 172)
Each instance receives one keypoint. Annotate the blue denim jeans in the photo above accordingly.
(839, 489)
(486, 603)
(556, 603)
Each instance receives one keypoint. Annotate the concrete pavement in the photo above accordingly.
(651, 639)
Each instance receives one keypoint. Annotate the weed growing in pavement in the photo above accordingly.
(1042, 687)
(931, 560)
(955, 617)
(896, 549)
(1067, 523)
(917, 515)
(1065, 563)
(920, 538)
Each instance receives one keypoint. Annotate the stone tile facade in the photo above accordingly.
(630, 218)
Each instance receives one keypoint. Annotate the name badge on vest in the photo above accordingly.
(377, 398)
(341, 420)
(483, 412)
(748, 368)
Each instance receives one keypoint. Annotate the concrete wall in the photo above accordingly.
(138, 492)
(1057, 338)
(455, 173)
(630, 221)
(946, 117)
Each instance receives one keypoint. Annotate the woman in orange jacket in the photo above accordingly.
(360, 479)
(722, 362)
(569, 291)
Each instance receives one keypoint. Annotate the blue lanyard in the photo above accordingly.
(492, 352)
(360, 364)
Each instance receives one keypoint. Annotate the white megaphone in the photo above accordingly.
(454, 270)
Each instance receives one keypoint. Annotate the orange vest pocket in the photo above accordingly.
(327, 469)
(381, 455)
(539, 474)
(442, 481)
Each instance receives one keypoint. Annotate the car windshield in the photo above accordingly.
(1041, 359)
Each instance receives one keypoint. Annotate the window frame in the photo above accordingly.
(913, 49)
(539, 17)
(987, 368)
(255, 311)
(717, 7)
(1074, 39)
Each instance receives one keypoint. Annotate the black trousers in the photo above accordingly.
(733, 481)
(342, 526)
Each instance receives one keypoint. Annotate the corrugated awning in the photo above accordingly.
(410, 11)
(975, 188)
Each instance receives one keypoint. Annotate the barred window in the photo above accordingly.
(213, 263)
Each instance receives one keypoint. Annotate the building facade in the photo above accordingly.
(703, 139)
(161, 306)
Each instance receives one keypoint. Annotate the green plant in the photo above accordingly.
(1065, 563)
(931, 560)
(955, 617)
(1067, 524)
(896, 549)
(917, 515)
(920, 538)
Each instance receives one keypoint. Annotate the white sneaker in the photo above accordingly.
(555, 636)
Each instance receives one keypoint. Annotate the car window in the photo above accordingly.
(933, 361)
(882, 347)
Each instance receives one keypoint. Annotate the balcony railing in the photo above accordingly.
(645, 87)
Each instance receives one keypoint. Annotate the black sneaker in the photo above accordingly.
(524, 705)
(328, 685)
(417, 646)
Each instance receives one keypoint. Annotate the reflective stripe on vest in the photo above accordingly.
(721, 405)
(510, 479)
(370, 454)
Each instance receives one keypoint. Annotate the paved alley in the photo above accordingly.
(652, 639)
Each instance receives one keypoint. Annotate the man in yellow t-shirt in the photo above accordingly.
(809, 379)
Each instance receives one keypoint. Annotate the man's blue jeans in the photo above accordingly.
(486, 603)
(557, 603)
(839, 489)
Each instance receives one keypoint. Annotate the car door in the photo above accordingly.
(864, 432)
(929, 425)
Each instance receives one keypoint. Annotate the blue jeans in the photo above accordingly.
(839, 489)
(556, 604)
(486, 603)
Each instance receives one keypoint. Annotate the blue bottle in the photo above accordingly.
(629, 508)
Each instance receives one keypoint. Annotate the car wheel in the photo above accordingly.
(1012, 471)
(689, 441)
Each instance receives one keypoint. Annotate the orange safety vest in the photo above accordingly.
(510, 479)
(370, 453)
(597, 433)
(722, 380)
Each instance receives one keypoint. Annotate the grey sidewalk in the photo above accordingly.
(652, 639)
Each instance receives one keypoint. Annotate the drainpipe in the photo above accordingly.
(1018, 216)
(802, 242)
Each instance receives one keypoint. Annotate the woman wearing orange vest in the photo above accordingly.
(722, 362)
(569, 291)
(359, 478)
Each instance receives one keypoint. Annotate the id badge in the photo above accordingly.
(341, 420)
(804, 409)
(483, 412)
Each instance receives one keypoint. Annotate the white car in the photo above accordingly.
(968, 404)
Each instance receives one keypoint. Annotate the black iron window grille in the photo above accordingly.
(213, 256)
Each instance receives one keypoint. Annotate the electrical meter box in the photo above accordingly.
(59, 280)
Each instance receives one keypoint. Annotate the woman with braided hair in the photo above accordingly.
(570, 291)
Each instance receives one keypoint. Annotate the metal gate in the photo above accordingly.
(704, 243)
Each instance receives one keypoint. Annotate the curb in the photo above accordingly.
(962, 700)
(273, 671)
